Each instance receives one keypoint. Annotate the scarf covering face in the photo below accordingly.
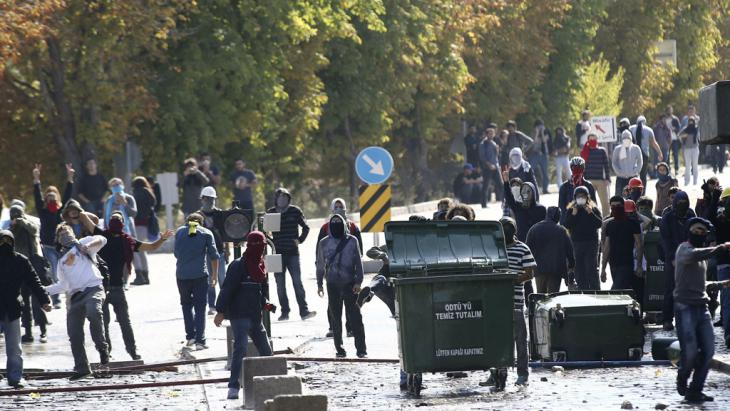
(577, 175)
(53, 206)
(254, 256)
(116, 229)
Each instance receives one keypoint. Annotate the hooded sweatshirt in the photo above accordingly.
(16, 272)
(525, 217)
(628, 165)
(672, 227)
(351, 226)
(338, 259)
(519, 168)
(555, 256)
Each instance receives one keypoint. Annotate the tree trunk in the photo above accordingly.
(419, 160)
(354, 192)
(64, 124)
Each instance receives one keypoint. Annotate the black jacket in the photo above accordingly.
(583, 226)
(525, 217)
(49, 220)
(240, 296)
(551, 247)
(16, 272)
(565, 195)
(672, 227)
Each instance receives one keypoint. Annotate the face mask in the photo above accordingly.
(697, 240)
(682, 208)
(581, 201)
(53, 207)
(282, 201)
(207, 203)
(337, 229)
(516, 194)
(617, 212)
(340, 211)
(635, 194)
(6, 249)
(66, 239)
(626, 143)
(116, 226)
(509, 233)
(117, 189)
(645, 212)
(192, 228)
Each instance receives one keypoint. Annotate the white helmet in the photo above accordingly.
(208, 192)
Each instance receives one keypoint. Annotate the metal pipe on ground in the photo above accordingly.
(598, 364)
(110, 387)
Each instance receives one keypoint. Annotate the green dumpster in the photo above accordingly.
(653, 298)
(454, 295)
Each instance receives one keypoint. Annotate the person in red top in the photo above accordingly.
(339, 206)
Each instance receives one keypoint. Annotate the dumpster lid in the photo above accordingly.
(454, 246)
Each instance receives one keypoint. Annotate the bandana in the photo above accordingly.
(53, 206)
(253, 256)
(577, 175)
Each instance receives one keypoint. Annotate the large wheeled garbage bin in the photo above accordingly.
(454, 297)
(585, 326)
(653, 298)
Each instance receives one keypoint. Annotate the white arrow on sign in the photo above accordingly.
(375, 168)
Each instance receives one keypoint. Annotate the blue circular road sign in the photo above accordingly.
(374, 165)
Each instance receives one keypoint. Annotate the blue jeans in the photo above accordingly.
(540, 162)
(291, 263)
(192, 296)
(221, 278)
(52, 256)
(723, 273)
(675, 148)
(13, 352)
(697, 339)
(242, 328)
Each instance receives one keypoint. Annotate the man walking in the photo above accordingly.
(489, 159)
(243, 181)
(79, 275)
(622, 246)
(627, 161)
(211, 219)
(645, 139)
(673, 232)
(16, 272)
(287, 242)
(242, 299)
(338, 259)
(694, 324)
(193, 243)
(554, 258)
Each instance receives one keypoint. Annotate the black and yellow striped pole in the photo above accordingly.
(374, 207)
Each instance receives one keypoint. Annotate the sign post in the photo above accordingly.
(605, 128)
(168, 188)
(374, 165)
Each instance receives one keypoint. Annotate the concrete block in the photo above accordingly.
(259, 367)
(251, 350)
(266, 388)
(300, 403)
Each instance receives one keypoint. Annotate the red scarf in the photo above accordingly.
(589, 145)
(577, 176)
(53, 206)
(254, 256)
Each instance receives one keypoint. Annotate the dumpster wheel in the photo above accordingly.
(415, 383)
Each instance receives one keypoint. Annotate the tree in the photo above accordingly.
(573, 44)
(597, 90)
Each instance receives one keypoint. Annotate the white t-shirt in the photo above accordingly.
(668, 122)
(76, 271)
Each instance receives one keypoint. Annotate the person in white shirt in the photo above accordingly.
(79, 276)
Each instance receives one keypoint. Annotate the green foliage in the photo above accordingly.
(597, 90)
(297, 88)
